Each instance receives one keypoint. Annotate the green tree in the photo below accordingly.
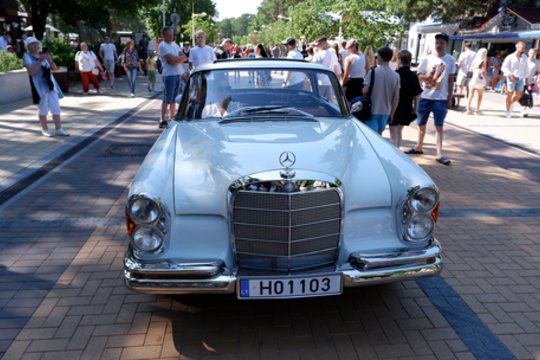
(451, 10)
(93, 13)
(153, 19)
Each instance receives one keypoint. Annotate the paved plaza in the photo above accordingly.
(63, 237)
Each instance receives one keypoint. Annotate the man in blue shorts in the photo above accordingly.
(515, 68)
(436, 73)
(173, 71)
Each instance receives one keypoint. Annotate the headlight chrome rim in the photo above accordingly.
(156, 213)
(147, 238)
(423, 200)
(419, 221)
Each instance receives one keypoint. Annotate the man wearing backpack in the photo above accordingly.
(171, 60)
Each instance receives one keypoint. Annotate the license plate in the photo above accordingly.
(289, 287)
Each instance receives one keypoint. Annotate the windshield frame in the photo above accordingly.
(341, 105)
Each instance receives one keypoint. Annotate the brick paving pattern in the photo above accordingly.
(62, 294)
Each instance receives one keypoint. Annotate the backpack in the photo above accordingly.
(159, 66)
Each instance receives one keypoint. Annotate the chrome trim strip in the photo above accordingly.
(212, 277)
(405, 256)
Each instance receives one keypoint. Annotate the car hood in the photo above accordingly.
(210, 156)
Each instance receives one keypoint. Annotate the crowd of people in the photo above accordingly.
(398, 95)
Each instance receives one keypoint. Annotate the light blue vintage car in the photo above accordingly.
(265, 186)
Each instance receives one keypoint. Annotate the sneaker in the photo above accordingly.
(469, 112)
(479, 112)
(132, 95)
(61, 132)
(46, 133)
(163, 124)
(508, 114)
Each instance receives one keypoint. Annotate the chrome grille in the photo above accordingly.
(286, 232)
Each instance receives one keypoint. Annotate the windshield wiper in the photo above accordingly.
(269, 109)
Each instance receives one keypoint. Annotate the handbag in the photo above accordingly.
(365, 113)
(526, 99)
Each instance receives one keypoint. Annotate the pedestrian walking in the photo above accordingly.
(223, 51)
(495, 65)
(45, 90)
(478, 80)
(370, 57)
(151, 70)
(354, 71)
(262, 77)
(435, 72)
(329, 60)
(131, 65)
(464, 63)
(385, 93)
(173, 72)
(408, 92)
(108, 55)
(89, 68)
(293, 80)
(530, 82)
(202, 53)
(514, 67)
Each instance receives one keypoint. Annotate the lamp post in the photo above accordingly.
(163, 11)
(193, 16)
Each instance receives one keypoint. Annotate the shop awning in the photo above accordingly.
(498, 37)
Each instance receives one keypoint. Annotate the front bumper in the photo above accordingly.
(212, 277)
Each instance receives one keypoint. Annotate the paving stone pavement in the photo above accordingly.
(62, 294)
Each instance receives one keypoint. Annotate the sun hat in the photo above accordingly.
(30, 40)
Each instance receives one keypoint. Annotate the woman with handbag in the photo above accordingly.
(89, 67)
(478, 81)
(409, 89)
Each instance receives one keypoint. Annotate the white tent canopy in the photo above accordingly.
(47, 28)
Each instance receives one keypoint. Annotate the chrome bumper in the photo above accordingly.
(212, 277)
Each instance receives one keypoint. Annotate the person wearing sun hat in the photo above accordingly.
(45, 90)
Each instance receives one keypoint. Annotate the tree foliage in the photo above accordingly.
(451, 10)
(93, 13)
(153, 19)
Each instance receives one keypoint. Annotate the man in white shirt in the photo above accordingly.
(293, 80)
(202, 53)
(108, 54)
(329, 60)
(435, 72)
(515, 69)
(464, 63)
(171, 58)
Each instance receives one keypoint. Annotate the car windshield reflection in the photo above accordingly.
(262, 93)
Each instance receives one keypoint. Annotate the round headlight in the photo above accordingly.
(424, 200)
(146, 238)
(144, 210)
(419, 227)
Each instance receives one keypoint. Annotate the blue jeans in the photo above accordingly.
(132, 78)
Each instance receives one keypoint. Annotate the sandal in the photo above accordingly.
(443, 160)
(413, 151)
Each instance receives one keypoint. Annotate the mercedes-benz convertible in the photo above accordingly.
(265, 186)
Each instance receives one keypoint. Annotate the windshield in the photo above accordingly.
(255, 93)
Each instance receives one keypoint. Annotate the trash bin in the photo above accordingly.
(61, 77)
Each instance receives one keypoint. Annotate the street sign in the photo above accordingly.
(175, 18)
